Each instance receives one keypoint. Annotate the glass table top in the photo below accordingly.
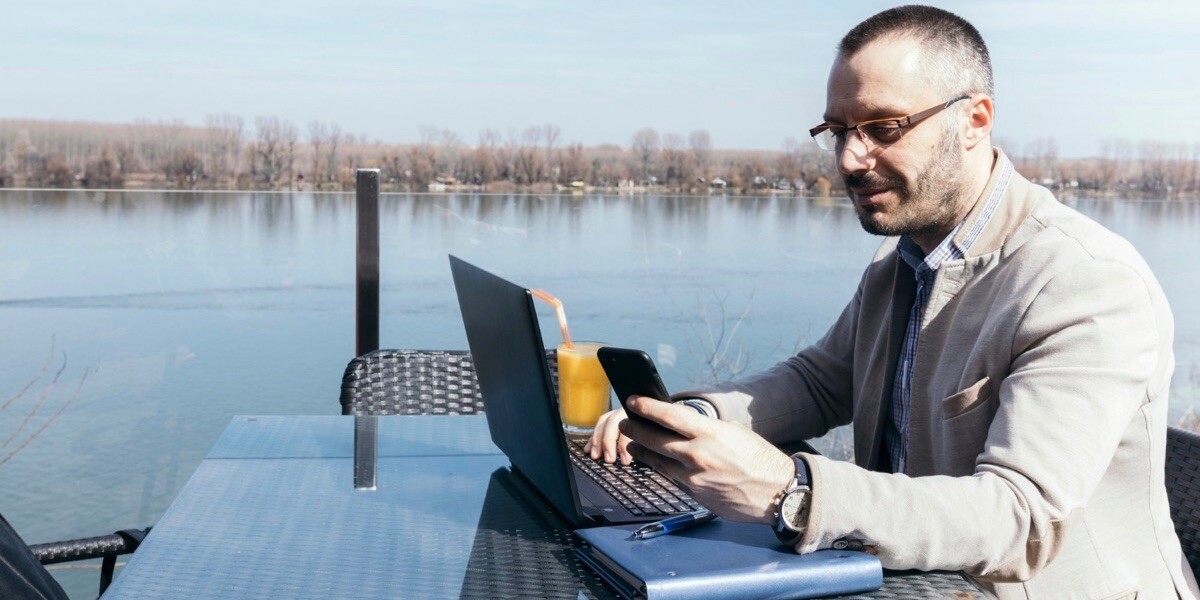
(272, 512)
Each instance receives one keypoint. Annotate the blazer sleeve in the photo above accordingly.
(800, 398)
(1088, 353)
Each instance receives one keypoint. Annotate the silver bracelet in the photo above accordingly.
(702, 406)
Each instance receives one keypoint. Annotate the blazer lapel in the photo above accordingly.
(870, 446)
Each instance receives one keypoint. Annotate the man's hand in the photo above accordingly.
(607, 442)
(727, 467)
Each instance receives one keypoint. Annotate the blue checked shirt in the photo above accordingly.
(925, 268)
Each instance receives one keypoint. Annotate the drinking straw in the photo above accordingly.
(558, 310)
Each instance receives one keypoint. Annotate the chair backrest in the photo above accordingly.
(416, 382)
(411, 382)
(1183, 491)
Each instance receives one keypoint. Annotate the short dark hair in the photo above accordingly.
(955, 53)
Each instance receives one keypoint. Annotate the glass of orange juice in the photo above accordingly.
(583, 390)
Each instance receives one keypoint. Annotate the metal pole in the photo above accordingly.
(366, 305)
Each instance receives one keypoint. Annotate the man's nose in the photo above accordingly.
(855, 155)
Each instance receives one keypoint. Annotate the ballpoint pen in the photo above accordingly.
(673, 524)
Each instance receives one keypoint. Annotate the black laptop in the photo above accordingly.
(522, 413)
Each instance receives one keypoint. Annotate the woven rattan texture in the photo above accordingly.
(1183, 490)
(82, 549)
(416, 382)
(411, 382)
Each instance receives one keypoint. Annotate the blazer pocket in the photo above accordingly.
(962, 402)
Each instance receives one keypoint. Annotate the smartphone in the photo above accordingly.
(632, 373)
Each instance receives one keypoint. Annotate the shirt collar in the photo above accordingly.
(955, 249)
(919, 261)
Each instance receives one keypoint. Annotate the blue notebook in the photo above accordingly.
(722, 559)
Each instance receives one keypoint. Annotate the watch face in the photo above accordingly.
(794, 508)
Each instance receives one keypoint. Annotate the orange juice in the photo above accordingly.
(583, 390)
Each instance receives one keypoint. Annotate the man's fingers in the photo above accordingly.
(623, 450)
(605, 442)
(610, 434)
(661, 440)
(678, 418)
(665, 466)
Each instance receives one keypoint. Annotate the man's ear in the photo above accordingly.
(980, 118)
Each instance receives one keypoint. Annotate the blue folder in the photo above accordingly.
(722, 559)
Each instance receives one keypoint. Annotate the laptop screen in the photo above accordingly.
(506, 344)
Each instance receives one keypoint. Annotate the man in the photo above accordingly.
(1005, 361)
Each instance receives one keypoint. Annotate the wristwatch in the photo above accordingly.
(792, 506)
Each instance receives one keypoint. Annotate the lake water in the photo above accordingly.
(165, 314)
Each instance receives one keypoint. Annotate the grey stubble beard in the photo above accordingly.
(930, 208)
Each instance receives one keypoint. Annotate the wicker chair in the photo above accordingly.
(28, 579)
(416, 382)
(105, 547)
(1183, 491)
(411, 382)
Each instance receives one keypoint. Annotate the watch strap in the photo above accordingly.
(783, 528)
(802, 477)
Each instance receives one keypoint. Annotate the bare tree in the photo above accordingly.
(550, 135)
(1115, 157)
(1153, 159)
(1194, 181)
(183, 168)
(573, 166)
(676, 171)
(25, 152)
(224, 143)
(790, 164)
(318, 133)
(449, 154)
(1039, 162)
(525, 157)
(392, 168)
(103, 171)
(274, 150)
(718, 345)
(32, 408)
(1178, 173)
(645, 146)
(485, 163)
(700, 145)
(51, 171)
(162, 142)
(422, 156)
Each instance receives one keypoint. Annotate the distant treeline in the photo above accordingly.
(276, 155)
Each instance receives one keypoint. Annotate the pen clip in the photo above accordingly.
(673, 523)
(649, 530)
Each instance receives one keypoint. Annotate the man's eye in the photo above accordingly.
(883, 133)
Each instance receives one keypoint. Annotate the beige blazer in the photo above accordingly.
(1039, 412)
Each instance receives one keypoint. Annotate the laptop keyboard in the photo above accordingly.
(638, 487)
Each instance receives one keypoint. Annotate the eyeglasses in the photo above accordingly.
(880, 132)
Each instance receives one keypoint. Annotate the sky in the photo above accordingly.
(751, 73)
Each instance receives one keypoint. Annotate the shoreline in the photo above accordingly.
(836, 195)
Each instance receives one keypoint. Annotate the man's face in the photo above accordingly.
(912, 186)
